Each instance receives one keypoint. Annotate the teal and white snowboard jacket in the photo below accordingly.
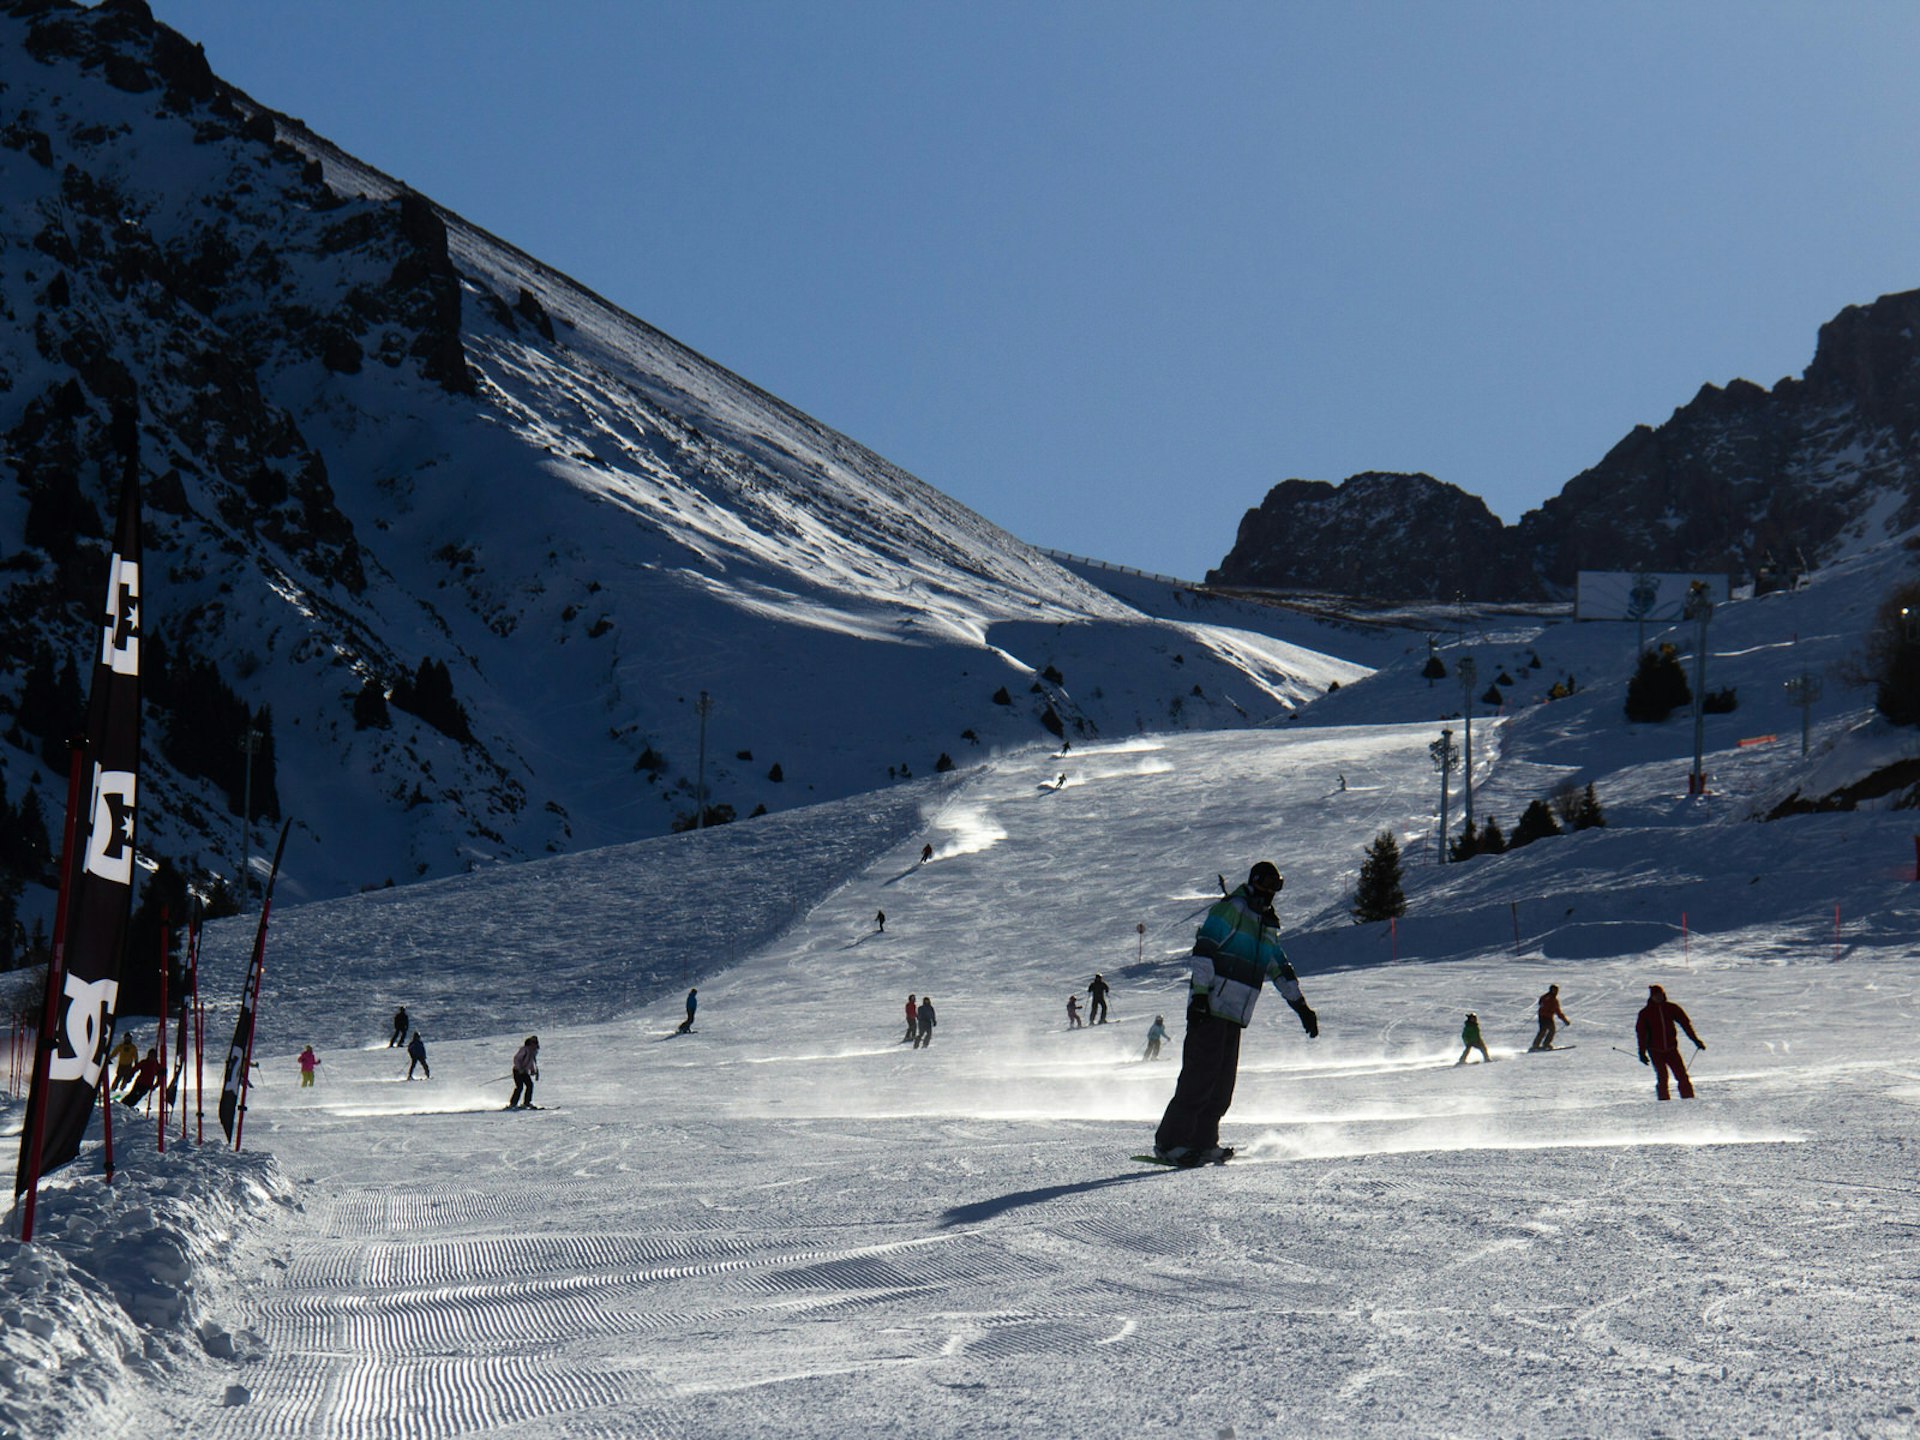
(1234, 953)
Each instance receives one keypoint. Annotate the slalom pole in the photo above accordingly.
(106, 1121)
(199, 1033)
(161, 1084)
(1514, 906)
(56, 983)
(259, 971)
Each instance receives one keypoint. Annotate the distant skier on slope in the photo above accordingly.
(1097, 1000)
(126, 1058)
(1073, 1011)
(308, 1060)
(1236, 950)
(685, 1027)
(400, 1024)
(927, 1022)
(1659, 1046)
(926, 853)
(146, 1075)
(1156, 1033)
(526, 1070)
(1549, 1009)
(1470, 1041)
(913, 1023)
(880, 921)
(417, 1055)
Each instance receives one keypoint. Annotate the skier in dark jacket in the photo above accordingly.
(417, 1055)
(1097, 1000)
(1659, 1046)
(693, 1004)
(146, 1075)
(927, 1023)
(1235, 952)
(526, 1070)
(1549, 1009)
(400, 1022)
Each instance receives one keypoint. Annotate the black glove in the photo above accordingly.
(1309, 1021)
(1645, 1061)
(1699, 1044)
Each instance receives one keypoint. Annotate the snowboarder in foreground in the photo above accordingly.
(1549, 1009)
(1156, 1034)
(1470, 1041)
(307, 1061)
(693, 1003)
(1236, 950)
(526, 1070)
(927, 1022)
(1073, 1011)
(417, 1055)
(400, 1024)
(1097, 1000)
(1659, 1046)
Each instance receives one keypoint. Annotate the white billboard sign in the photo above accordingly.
(1640, 595)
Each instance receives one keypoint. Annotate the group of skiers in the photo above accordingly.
(1238, 949)
(920, 1022)
(137, 1073)
(1097, 989)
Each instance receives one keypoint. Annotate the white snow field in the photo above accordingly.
(790, 1224)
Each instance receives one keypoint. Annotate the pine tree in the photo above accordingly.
(1589, 815)
(1378, 896)
(1535, 824)
(370, 707)
(1466, 844)
(1434, 669)
(1659, 686)
(1492, 842)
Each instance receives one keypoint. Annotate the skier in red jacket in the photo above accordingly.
(1659, 1046)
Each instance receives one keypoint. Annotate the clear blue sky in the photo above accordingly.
(1106, 271)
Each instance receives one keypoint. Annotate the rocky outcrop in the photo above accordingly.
(1737, 477)
(1382, 535)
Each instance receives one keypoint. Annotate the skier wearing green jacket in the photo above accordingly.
(1236, 951)
(1470, 1041)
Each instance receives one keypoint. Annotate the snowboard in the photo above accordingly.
(1151, 1159)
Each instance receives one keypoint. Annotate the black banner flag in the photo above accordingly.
(100, 861)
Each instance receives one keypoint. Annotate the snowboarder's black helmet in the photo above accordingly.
(1265, 875)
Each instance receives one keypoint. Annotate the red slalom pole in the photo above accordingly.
(161, 1108)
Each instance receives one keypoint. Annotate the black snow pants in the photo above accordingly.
(1209, 1065)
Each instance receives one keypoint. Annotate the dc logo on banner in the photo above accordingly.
(88, 1003)
(120, 641)
(110, 841)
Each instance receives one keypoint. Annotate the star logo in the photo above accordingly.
(120, 640)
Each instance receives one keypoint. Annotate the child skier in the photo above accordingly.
(1073, 1012)
(1470, 1041)
(1156, 1033)
(307, 1061)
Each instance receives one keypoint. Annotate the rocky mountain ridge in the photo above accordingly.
(1737, 480)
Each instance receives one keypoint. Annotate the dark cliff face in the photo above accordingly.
(1737, 475)
(1380, 535)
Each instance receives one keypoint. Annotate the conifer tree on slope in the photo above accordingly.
(1378, 896)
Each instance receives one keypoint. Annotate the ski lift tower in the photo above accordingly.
(1469, 673)
(1699, 609)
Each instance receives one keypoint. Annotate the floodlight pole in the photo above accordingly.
(1469, 673)
(1700, 610)
(1446, 759)
(704, 706)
